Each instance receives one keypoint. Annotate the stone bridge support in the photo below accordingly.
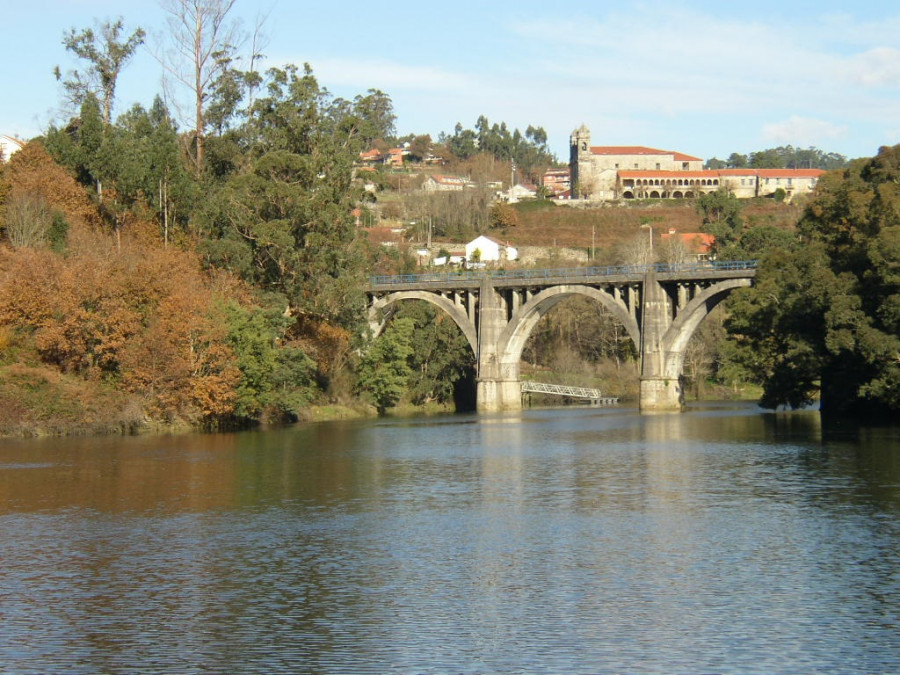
(498, 384)
(670, 316)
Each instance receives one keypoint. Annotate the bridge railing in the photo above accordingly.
(563, 273)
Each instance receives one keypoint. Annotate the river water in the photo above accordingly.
(573, 540)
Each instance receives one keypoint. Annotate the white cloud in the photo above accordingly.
(879, 67)
(802, 131)
(386, 75)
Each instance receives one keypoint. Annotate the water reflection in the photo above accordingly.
(577, 540)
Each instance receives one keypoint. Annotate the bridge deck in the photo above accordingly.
(570, 275)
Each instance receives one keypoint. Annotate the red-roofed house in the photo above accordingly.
(697, 245)
(556, 181)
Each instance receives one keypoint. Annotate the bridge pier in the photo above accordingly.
(498, 395)
(498, 388)
(661, 387)
(661, 394)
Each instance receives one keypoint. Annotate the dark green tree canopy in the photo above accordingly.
(824, 316)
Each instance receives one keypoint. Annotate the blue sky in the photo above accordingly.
(703, 78)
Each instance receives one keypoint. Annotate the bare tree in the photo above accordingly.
(106, 54)
(202, 40)
(27, 220)
(636, 251)
(672, 250)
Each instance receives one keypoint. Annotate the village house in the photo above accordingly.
(443, 183)
(606, 173)
(9, 146)
(519, 192)
(556, 181)
(486, 249)
(697, 246)
(392, 157)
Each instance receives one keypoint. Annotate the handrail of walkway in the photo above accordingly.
(563, 273)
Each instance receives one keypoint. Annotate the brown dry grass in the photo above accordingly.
(546, 224)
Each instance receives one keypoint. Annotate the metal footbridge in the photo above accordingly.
(595, 396)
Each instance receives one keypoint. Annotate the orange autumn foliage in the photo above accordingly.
(142, 316)
(33, 171)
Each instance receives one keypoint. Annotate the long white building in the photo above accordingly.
(608, 173)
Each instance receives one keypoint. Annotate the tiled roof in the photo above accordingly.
(722, 173)
(448, 180)
(668, 174)
(789, 173)
(640, 150)
(696, 242)
(681, 157)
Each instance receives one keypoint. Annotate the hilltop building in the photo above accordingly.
(9, 146)
(607, 173)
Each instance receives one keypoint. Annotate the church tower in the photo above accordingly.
(579, 150)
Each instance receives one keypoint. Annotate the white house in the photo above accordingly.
(518, 192)
(9, 146)
(490, 250)
(443, 183)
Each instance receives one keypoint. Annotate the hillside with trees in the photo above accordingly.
(210, 272)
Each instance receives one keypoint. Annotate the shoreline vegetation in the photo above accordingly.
(159, 275)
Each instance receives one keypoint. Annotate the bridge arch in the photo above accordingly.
(516, 333)
(689, 318)
(457, 313)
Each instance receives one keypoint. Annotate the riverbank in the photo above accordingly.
(37, 401)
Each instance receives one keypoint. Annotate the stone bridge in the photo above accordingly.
(659, 305)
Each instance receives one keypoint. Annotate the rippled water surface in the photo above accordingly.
(721, 540)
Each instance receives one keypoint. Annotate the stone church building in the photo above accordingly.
(609, 173)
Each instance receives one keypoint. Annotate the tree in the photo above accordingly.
(721, 214)
(375, 113)
(504, 215)
(203, 41)
(440, 356)
(737, 161)
(27, 220)
(106, 54)
(384, 369)
(284, 220)
(276, 382)
(823, 319)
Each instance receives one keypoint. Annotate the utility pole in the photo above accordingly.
(649, 227)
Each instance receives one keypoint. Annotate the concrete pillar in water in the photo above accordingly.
(661, 386)
(498, 385)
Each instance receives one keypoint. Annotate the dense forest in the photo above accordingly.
(213, 276)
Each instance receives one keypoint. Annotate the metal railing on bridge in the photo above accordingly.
(567, 273)
(594, 395)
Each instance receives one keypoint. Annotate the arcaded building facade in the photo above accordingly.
(607, 173)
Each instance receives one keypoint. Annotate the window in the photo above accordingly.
(658, 166)
(635, 165)
(685, 166)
